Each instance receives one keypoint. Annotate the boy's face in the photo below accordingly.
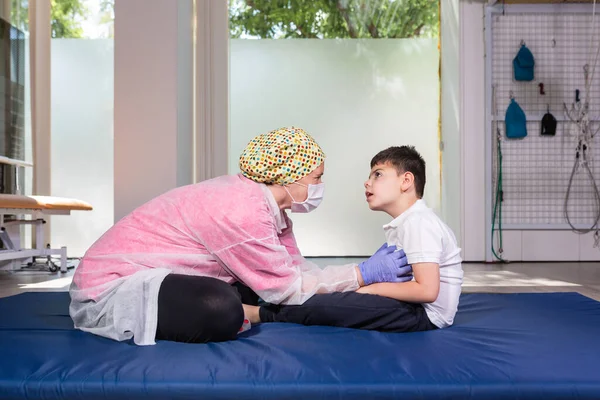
(384, 187)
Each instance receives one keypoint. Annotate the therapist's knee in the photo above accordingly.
(198, 309)
(224, 313)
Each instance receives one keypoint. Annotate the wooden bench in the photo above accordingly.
(12, 208)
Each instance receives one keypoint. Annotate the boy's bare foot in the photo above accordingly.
(251, 313)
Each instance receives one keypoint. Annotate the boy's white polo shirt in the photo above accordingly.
(425, 238)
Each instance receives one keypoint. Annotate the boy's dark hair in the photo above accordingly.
(404, 159)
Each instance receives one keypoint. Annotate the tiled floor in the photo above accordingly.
(583, 278)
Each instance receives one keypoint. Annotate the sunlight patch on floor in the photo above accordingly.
(509, 278)
(49, 284)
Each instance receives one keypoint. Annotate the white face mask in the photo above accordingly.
(315, 196)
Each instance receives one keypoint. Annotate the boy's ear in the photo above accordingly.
(408, 180)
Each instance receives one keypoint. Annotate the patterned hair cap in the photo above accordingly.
(282, 156)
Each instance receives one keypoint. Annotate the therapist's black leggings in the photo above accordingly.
(199, 309)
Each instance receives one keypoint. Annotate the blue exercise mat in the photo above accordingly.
(502, 346)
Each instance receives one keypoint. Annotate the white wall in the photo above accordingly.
(153, 100)
(528, 245)
(39, 58)
(28, 142)
(547, 245)
(472, 123)
(356, 97)
(529, 238)
(82, 138)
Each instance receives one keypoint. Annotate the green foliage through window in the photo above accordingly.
(65, 15)
(329, 19)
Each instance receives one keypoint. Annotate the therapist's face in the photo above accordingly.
(300, 192)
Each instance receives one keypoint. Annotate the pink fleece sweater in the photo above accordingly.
(227, 228)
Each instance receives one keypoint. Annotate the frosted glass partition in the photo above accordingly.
(356, 97)
(82, 138)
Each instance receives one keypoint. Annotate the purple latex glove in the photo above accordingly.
(386, 265)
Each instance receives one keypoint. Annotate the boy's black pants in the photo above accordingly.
(353, 310)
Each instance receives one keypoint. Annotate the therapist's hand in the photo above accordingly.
(386, 265)
(383, 247)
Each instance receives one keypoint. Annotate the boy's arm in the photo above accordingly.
(424, 289)
(422, 243)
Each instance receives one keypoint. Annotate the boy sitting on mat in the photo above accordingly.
(396, 186)
(430, 301)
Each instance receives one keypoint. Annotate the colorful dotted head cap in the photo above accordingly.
(282, 156)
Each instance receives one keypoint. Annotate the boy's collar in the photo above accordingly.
(396, 222)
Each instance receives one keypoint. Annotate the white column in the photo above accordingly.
(212, 79)
(39, 56)
(451, 194)
(153, 100)
(472, 123)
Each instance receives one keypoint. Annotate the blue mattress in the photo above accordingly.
(502, 346)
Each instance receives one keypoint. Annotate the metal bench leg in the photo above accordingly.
(63, 259)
